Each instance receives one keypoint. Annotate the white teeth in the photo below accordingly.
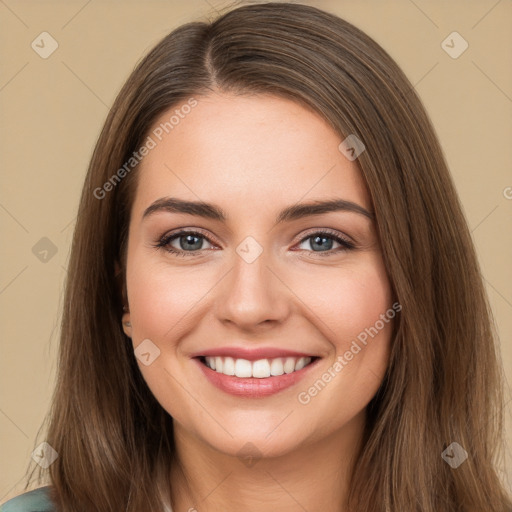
(289, 365)
(228, 367)
(301, 363)
(243, 368)
(260, 369)
(276, 367)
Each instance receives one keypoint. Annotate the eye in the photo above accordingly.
(189, 243)
(324, 241)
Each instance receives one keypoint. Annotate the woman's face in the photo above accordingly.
(264, 283)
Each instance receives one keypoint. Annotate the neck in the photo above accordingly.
(314, 476)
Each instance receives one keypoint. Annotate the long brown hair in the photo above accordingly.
(444, 382)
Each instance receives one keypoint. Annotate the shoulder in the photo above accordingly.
(37, 500)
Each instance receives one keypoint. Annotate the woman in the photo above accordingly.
(273, 301)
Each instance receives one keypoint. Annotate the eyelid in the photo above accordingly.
(345, 242)
(333, 232)
(304, 236)
(189, 231)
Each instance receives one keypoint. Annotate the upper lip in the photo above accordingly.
(251, 354)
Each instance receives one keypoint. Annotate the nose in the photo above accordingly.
(253, 296)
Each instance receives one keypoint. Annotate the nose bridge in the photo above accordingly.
(251, 293)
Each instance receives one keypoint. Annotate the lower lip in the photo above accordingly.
(253, 387)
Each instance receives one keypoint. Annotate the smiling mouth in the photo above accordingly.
(260, 369)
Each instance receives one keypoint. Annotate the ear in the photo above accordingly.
(121, 287)
(127, 324)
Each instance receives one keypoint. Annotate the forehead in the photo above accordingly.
(245, 150)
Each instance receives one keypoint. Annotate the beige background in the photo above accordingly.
(52, 111)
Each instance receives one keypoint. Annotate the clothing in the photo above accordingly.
(31, 501)
(37, 500)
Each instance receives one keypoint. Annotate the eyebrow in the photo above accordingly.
(290, 213)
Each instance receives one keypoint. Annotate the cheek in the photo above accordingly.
(161, 297)
(359, 313)
(363, 302)
(365, 327)
(162, 301)
(351, 301)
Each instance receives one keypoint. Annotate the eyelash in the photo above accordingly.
(164, 242)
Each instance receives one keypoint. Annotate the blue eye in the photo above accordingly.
(324, 240)
(190, 243)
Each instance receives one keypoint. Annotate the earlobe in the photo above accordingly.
(127, 325)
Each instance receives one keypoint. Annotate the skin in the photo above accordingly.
(253, 156)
